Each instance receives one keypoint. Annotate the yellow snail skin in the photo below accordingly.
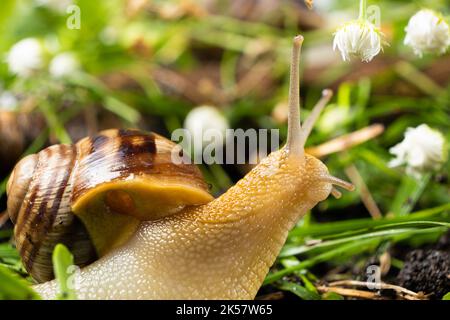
(222, 249)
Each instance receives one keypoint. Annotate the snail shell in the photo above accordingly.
(92, 195)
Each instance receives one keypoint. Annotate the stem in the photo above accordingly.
(362, 9)
(294, 129)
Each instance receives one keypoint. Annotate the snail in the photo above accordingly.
(221, 249)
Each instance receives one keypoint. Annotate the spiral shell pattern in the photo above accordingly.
(39, 205)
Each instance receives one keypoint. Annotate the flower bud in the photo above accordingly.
(25, 57)
(358, 38)
(422, 150)
(63, 65)
(204, 120)
(427, 32)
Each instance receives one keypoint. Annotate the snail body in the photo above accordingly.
(221, 249)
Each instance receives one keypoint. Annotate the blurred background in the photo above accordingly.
(147, 63)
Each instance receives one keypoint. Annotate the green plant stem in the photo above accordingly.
(408, 194)
(362, 9)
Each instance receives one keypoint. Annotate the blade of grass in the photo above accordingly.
(54, 123)
(111, 103)
(332, 296)
(342, 251)
(62, 261)
(121, 109)
(220, 176)
(14, 288)
(385, 234)
(7, 251)
(408, 194)
(319, 230)
(298, 290)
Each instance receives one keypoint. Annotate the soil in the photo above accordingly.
(427, 271)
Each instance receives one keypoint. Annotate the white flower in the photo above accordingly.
(427, 32)
(109, 36)
(64, 64)
(25, 57)
(206, 120)
(421, 150)
(8, 101)
(358, 38)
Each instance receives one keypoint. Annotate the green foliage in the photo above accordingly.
(299, 290)
(14, 288)
(337, 241)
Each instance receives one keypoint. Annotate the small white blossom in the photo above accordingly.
(427, 32)
(422, 150)
(109, 35)
(8, 101)
(25, 57)
(358, 38)
(203, 119)
(63, 65)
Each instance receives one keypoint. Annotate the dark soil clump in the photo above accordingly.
(427, 271)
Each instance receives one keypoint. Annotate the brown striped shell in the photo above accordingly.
(92, 195)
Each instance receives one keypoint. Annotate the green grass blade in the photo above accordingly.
(385, 234)
(12, 287)
(408, 194)
(319, 230)
(111, 103)
(62, 261)
(298, 290)
(121, 109)
(342, 251)
(54, 122)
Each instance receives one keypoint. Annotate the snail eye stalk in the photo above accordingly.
(311, 120)
(336, 193)
(293, 144)
(338, 182)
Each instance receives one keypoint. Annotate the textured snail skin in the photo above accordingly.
(220, 250)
